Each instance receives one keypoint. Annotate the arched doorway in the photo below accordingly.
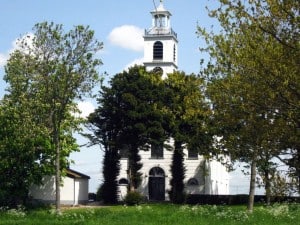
(156, 184)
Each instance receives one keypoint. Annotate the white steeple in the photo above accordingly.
(160, 42)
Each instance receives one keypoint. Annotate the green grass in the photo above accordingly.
(158, 214)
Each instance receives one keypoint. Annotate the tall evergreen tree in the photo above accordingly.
(178, 174)
(130, 111)
(104, 124)
(111, 168)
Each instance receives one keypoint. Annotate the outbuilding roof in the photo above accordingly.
(75, 174)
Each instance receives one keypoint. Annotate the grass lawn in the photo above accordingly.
(157, 214)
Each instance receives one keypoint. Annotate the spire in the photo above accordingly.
(161, 23)
(161, 6)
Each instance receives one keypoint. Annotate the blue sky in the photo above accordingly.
(19, 16)
(119, 24)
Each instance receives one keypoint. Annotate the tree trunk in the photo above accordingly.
(268, 187)
(57, 167)
(252, 186)
(298, 169)
(131, 186)
(134, 165)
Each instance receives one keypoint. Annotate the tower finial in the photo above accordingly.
(161, 2)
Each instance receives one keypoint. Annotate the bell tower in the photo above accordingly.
(160, 43)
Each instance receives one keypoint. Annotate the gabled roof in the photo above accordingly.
(74, 174)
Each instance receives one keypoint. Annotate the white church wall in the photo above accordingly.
(217, 178)
(168, 47)
(212, 177)
(123, 175)
(194, 170)
(149, 163)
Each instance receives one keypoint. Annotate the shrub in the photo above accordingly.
(133, 198)
(177, 197)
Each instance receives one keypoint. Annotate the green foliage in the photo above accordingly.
(253, 79)
(188, 115)
(111, 168)
(24, 152)
(99, 194)
(140, 109)
(129, 117)
(134, 166)
(176, 193)
(46, 74)
(188, 111)
(133, 198)
(281, 185)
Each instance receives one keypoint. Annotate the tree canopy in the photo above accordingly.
(189, 116)
(129, 118)
(254, 77)
(46, 75)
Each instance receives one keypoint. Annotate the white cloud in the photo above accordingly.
(127, 36)
(3, 59)
(134, 62)
(27, 38)
(86, 108)
(14, 46)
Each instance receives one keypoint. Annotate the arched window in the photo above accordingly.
(157, 172)
(158, 70)
(192, 182)
(123, 181)
(158, 50)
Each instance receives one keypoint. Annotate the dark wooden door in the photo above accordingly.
(157, 188)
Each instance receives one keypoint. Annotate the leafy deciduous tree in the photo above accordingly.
(60, 68)
(24, 153)
(254, 75)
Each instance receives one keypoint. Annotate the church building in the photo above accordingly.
(202, 176)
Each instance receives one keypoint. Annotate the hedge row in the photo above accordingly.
(233, 199)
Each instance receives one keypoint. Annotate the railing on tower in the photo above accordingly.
(160, 31)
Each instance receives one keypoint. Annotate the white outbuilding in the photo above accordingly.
(74, 189)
